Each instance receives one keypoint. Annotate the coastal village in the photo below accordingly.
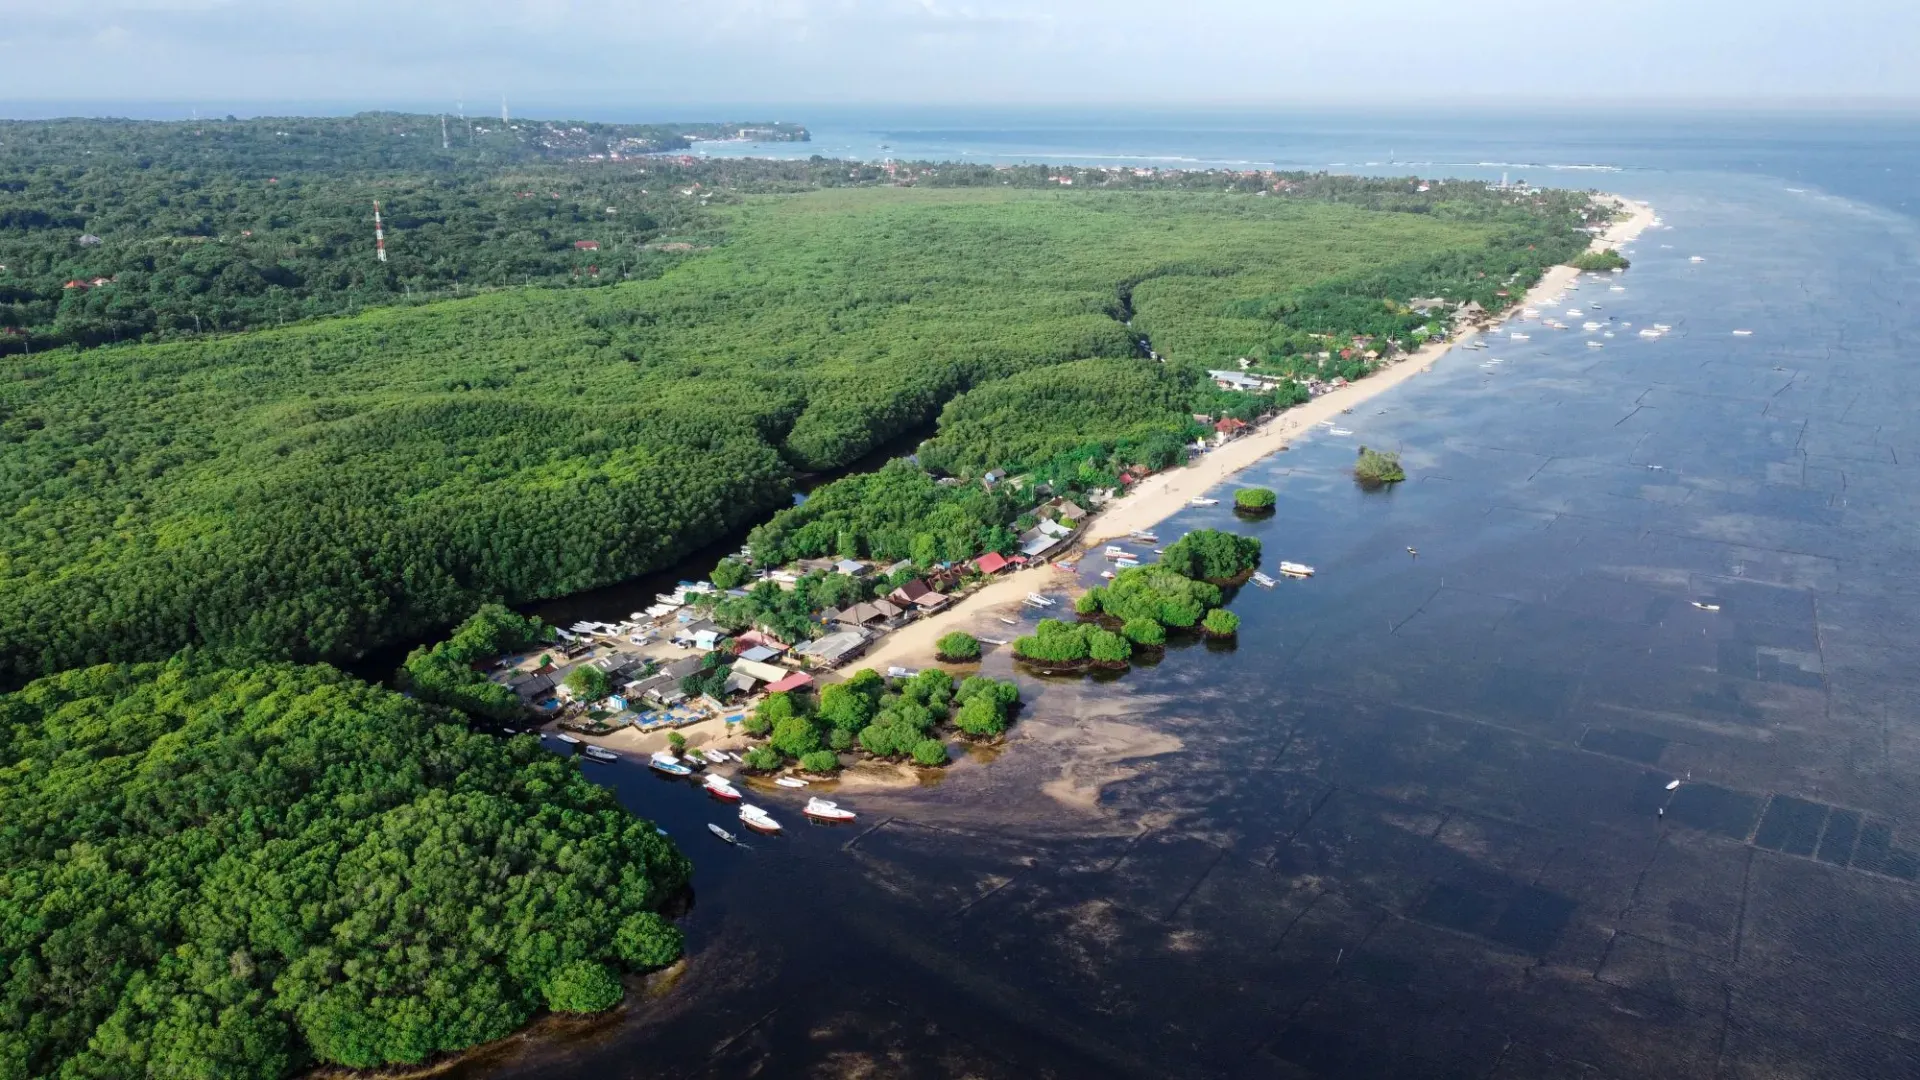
(673, 668)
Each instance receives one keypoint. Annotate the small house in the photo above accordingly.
(586, 245)
(991, 563)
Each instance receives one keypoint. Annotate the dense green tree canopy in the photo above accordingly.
(236, 872)
(1213, 555)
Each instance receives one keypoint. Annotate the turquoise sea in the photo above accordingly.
(1421, 821)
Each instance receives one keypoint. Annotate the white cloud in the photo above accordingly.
(945, 50)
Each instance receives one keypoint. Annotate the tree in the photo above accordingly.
(647, 941)
(444, 674)
(843, 707)
(1053, 641)
(588, 683)
(981, 717)
(1374, 468)
(1254, 499)
(840, 739)
(677, 741)
(1142, 631)
(583, 986)
(1212, 555)
(1087, 603)
(729, 574)
(820, 762)
(1107, 647)
(958, 647)
(762, 759)
(795, 737)
(1221, 623)
(929, 752)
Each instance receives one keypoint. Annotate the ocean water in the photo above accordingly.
(1411, 824)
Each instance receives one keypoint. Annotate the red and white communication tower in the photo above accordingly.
(379, 234)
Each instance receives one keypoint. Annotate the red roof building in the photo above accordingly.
(795, 681)
(586, 245)
(1230, 426)
(991, 563)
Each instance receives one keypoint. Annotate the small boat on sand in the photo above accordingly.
(1197, 501)
(1009, 622)
(661, 761)
(757, 819)
(792, 782)
(1294, 569)
(718, 787)
(722, 833)
(566, 738)
(716, 755)
(822, 810)
(598, 753)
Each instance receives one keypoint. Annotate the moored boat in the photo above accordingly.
(721, 833)
(1294, 569)
(1263, 580)
(822, 810)
(791, 781)
(1197, 501)
(718, 787)
(599, 753)
(661, 761)
(566, 738)
(757, 819)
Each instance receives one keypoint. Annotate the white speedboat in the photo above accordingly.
(1673, 785)
(757, 819)
(822, 810)
(661, 761)
(1340, 431)
(792, 782)
(1518, 336)
(1197, 501)
(1595, 345)
(1697, 258)
(1294, 569)
(598, 753)
(1743, 333)
(718, 787)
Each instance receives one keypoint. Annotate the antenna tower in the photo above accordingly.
(379, 234)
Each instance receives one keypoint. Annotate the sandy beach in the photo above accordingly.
(1150, 502)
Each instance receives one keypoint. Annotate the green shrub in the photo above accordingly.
(840, 739)
(762, 759)
(1374, 468)
(646, 941)
(1254, 498)
(1144, 632)
(583, 986)
(958, 647)
(820, 761)
(1159, 593)
(795, 737)
(1221, 623)
(729, 574)
(1212, 554)
(929, 752)
(1108, 647)
(588, 683)
(444, 675)
(1088, 603)
(981, 717)
(1053, 642)
(677, 741)
(1599, 261)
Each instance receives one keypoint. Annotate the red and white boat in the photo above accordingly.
(822, 810)
(718, 787)
(757, 819)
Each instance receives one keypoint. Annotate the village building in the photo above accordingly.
(991, 563)
(834, 649)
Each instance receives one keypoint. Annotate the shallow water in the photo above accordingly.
(1409, 825)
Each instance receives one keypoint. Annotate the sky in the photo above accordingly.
(624, 54)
